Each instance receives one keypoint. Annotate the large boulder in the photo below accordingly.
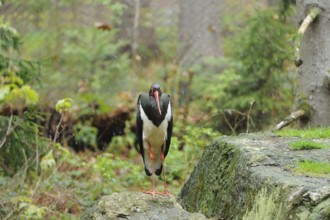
(252, 177)
(138, 206)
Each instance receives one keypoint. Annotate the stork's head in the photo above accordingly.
(156, 93)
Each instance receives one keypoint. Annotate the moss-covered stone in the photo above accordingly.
(248, 177)
(219, 179)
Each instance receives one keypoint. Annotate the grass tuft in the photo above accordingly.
(314, 168)
(306, 133)
(307, 145)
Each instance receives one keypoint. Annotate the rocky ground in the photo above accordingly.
(139, 206)
(252, 177)
(249, 177)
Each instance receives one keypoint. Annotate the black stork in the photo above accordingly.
(154, 121)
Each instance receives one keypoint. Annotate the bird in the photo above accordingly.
(154, 123)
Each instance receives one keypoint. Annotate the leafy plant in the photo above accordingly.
(85, 135)
(30, 211)
(47, 162)
(14, 72)
(120, 173)
(26, 209)
(24, 94)
(123, 141)
(63, 105)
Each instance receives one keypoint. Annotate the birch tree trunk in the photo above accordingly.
(314, 73)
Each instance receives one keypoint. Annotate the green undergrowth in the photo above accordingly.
(306, 133)
(314, 168)
(307, 145)
(69, 185)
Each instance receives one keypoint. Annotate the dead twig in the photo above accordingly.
(228, 123)
(288, 120)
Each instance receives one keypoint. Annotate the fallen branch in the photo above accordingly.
(313, 13)
(288, 120)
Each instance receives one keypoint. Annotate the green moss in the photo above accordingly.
(304, 105)
(314, 168)
(306, 133)
(307, 145)
(198, 188)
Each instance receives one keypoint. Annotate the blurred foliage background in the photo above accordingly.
(91, 59)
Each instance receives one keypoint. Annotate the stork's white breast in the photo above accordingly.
(153, 134)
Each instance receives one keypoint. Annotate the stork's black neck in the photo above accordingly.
(149, 107)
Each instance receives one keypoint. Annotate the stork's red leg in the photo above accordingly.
(166, 192)
(153, 191)
(151, 156)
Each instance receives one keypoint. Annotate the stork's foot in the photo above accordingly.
(166, 193)
(154, 192)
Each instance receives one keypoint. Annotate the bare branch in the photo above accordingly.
(288, 120)
(229, 125)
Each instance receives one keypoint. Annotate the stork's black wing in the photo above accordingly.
(139, 128)
(169, 134)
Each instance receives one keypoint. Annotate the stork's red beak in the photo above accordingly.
(157, 101)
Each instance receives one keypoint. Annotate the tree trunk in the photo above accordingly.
(313, 74)
(199, 37)
(133, 29)
(199, 31)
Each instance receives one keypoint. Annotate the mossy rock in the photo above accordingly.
(253, 177)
